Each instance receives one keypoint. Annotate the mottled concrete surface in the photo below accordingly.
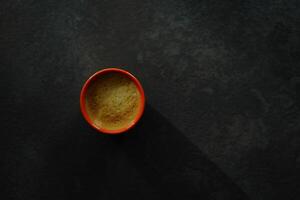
(222, 80)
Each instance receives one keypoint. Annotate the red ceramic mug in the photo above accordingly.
(97, 75)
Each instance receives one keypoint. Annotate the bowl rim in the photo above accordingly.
(83, 100)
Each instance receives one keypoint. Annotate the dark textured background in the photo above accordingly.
(222, 80)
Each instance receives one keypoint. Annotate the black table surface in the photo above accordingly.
(222, 81)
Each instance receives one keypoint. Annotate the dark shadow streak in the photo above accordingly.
(172, 164)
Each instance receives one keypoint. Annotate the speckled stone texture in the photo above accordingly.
(222, 80)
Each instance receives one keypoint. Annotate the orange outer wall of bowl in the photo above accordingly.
(98, 74)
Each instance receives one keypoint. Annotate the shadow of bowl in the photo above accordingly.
(172, 164)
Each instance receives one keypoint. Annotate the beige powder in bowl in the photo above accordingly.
(112, 101)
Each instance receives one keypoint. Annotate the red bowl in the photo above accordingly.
(97, 75)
